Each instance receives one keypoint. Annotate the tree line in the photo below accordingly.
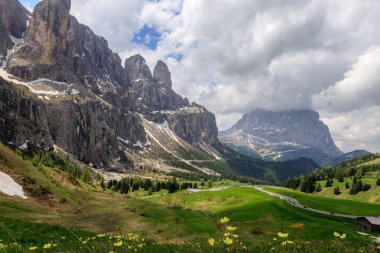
(128, 184)
(352, 169)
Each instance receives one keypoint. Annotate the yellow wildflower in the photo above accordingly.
(111, 251)
(336, 234)
(229, 228)
(274, 239)
(343, 236)
(235, 236)
(101, 235)
(224, 220)
(228, 241)
(63, 237)
(211, 241)
(47, 246)
(33, 248)
(118, 244)
(283, 235)
(287, 242)
(119, 237)
(378, 247)
(140, 245)
(226, 234)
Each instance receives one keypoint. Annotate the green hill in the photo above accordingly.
(357, 179)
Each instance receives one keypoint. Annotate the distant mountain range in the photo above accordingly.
(285, 135)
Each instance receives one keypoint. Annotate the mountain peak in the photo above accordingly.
(136, 69)
(282, 135)
(162, 76)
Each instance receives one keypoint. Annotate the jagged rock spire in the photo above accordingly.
(137, 69)
(162, 76)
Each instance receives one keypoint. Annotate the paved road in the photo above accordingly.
(295, 203)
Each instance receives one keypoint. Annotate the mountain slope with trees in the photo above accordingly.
(357, 179)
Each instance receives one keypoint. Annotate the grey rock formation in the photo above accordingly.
(155, 98)
(22, 118)
(102, 118)
(92, 130)
(57, 47)
(13, 22)
(282, 135)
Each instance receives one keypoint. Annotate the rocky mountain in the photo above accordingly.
(13, 23)
(281, 136)
(63, 88)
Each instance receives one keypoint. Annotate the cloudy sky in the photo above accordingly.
(235, 56)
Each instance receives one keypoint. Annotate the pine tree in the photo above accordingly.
(86, 175)
(102, 184)
(336, 191)
(150, 191)
(318, 188)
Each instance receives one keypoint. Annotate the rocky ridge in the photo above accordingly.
(86, 103)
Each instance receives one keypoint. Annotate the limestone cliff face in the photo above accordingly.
(92, 131)
(57, 47)
(13, 22)
(154, 97)
(22, 118)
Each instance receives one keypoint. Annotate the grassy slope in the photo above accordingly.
(371, 196)
(329, 204)
(76, 205)
(259, 215)
(172, 218)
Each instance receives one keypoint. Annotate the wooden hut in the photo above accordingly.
(371, 224)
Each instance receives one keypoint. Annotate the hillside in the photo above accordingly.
(66, 211)
(357, 179)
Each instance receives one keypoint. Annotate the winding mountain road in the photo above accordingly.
(295, 203)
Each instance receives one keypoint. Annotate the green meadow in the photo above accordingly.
(63, 214)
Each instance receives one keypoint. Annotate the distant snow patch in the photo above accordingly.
(9, 187)
(24, 146)
(141, 144)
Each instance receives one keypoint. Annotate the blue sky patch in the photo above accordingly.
(29, 3)
(147, 36)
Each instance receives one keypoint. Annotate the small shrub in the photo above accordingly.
(347, 186)
(366, 187)
(41, 191)
(378, 182)
(337, 191)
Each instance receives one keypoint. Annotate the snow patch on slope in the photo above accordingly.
(9, 187)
